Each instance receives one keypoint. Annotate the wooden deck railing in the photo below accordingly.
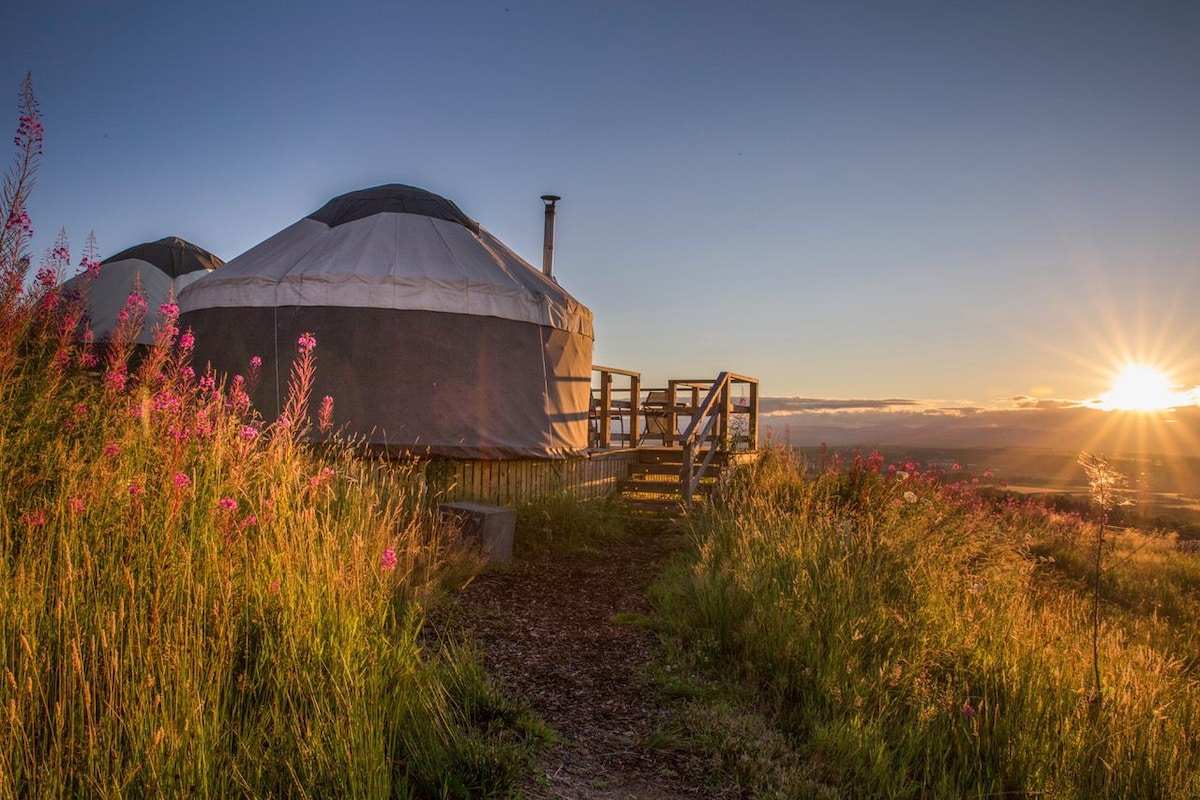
(626, 414)
(713, 429)
(606, 408)
(718, 418)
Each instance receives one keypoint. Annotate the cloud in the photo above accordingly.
(1025, 401)
(788, 405)
(1055, 424)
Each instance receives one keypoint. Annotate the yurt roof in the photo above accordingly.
(171, 255)
(393, 198)
(394, 247)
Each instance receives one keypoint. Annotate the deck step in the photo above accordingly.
(660, 507)
(643, 484)
(637, 485)
(673, 470)
(654, 485)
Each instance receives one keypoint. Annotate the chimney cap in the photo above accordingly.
(550, 199)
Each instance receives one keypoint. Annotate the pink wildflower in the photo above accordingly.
(18, 217)
(228, 503)
(256, 362)
(136, 490)
(325, 415)
(249, 433)
(306, 343)
(75, 504)
(388, 560)
(111, 449)
(34, 519)
(968, 710)
(324, 476)
(182, 481)
(274, 587)
(187, 341)
(238, 399)
(30, 128)
(116, 379)
(47, 278)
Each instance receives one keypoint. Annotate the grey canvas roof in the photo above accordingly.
(172, 255)
(391, 198)
(392, 247)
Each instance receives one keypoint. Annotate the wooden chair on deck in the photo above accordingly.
(655, 411)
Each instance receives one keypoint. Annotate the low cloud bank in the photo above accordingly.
(1062, 425)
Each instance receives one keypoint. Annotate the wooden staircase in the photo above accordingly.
(655, 488)
(721, 433)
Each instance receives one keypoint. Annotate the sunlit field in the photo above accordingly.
(193, 603)
(876, 632)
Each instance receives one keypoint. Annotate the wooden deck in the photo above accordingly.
(658, 447)
(515, 481)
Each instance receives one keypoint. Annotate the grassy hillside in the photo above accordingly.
(866, 632)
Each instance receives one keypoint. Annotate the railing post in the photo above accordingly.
(752, 427)
(672, 418)
(685, 472)
(635, 408)
(725, 413)
(606, 379)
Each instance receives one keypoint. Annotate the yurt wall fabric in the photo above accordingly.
(432, 335)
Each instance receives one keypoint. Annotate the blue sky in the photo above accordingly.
(962, 202)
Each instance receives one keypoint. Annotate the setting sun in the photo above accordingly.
(1140, 387)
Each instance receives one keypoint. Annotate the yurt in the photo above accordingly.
(432, 336)
(161, 269)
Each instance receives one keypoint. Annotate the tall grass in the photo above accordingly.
(911, 642)
(195, 603)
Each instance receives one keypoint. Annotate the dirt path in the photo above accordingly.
(547, 633)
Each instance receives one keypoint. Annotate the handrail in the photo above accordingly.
(706, 416)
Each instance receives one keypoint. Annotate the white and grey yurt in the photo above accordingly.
(432, 336)
(161, 269)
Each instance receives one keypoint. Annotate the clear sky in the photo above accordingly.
(959, 201)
